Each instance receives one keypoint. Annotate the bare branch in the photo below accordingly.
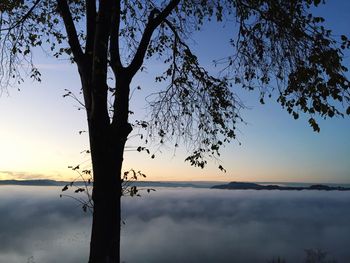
(114, 38)
(71, 31)
(154, 20)
(23, 19)
(90, 25)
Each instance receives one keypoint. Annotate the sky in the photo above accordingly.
(39, 133)
(180, 225)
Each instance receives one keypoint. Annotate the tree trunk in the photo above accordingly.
(107, 142)
(105, 235)
(107, 158)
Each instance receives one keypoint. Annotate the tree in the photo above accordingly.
(279, 48)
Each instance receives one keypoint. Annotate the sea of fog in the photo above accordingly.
(179, 225)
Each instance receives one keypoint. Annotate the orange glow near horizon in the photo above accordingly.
(39, 135)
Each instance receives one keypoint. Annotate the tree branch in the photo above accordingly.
(154, 20)
(100, 62)
(114, 38)
(90, 26)
(24, 18)
(176, 34)
(71, 31)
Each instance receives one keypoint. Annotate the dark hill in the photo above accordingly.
(36, 182)
(253, 186)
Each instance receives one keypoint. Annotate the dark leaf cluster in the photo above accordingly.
(282, 46)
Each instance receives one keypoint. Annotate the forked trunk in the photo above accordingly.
(107, 142)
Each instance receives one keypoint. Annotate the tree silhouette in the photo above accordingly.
(280, 48)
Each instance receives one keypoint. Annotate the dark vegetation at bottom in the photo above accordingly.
(312, 256)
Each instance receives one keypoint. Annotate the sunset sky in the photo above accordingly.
(39, 134)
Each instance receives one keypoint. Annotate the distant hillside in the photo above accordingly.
(213, 185)
(38, 182)
(138, 184)
(254, 186)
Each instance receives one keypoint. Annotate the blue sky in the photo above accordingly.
(39, 128)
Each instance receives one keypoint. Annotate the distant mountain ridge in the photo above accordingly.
(254, 186)
(46, 182)
(191, 184)
(36, 182)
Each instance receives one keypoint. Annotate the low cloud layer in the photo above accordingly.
(38, 226)
(180, 225)
(195, 225)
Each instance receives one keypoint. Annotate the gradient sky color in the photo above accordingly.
(39, 134)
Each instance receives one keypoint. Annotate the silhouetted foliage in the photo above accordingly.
(312, 256)
(277, 260)
(280, 48)
(82, 184)
(317, 256)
